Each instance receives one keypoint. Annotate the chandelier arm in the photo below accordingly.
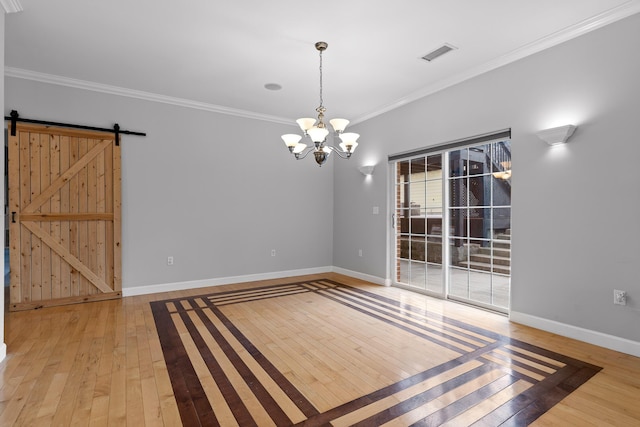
(340, 153)
(306, 153)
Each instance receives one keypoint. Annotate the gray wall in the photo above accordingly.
(576, 208)
(214, 191)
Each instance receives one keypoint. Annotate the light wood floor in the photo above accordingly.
(102, 364)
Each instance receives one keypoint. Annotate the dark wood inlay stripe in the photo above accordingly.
(538, 399)
(253, 289)
(537, 407)
(507, 410)
(516, 374)
(570, 383)
(314, 286)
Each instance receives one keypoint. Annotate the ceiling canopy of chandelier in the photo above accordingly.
(317, 132)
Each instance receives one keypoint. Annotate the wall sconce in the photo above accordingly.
(366, 170)
(558, 135)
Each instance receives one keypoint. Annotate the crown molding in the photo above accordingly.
(137, 94)
(11, 6)
(625, 10)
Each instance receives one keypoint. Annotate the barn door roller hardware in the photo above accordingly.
(14, 117)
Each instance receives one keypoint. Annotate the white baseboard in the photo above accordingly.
(3, 351)
(611, 342)
(361, 276)
(179, 286)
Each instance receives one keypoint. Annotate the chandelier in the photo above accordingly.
(317, 132)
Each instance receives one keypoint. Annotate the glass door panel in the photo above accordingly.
(480, 225)
(419, 197)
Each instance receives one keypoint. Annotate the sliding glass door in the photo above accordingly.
(461, 197)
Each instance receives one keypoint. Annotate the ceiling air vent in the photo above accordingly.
(438, 52)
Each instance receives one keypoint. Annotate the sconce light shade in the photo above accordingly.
(558, 135)
(366, 170)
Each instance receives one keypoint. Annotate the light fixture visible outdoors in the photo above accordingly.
(558, 135)
(366, 170)
(506, 173)
(317, 132)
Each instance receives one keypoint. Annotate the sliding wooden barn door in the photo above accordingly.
(64, 207)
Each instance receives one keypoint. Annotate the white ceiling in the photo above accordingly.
(219, 55)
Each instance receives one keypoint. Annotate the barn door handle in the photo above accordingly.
(13, 217)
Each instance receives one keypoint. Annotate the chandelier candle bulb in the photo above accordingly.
(316, 130)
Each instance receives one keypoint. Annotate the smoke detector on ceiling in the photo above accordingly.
(436, 53)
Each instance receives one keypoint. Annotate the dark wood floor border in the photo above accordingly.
(245, 297)
(400, 320)
(531, 358)
(538, 399)
(390, 390)
(193, 405)
(550, 354)
(521, 410)
(419, 315)
(523, 365)
(489, 334)
(459, 406)
(398, 325)
(435, 316)
(423, 398)
(233, 399)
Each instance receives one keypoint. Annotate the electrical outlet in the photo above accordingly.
(273, 252)
(619, 297)
(359, 252)
(169, 260)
